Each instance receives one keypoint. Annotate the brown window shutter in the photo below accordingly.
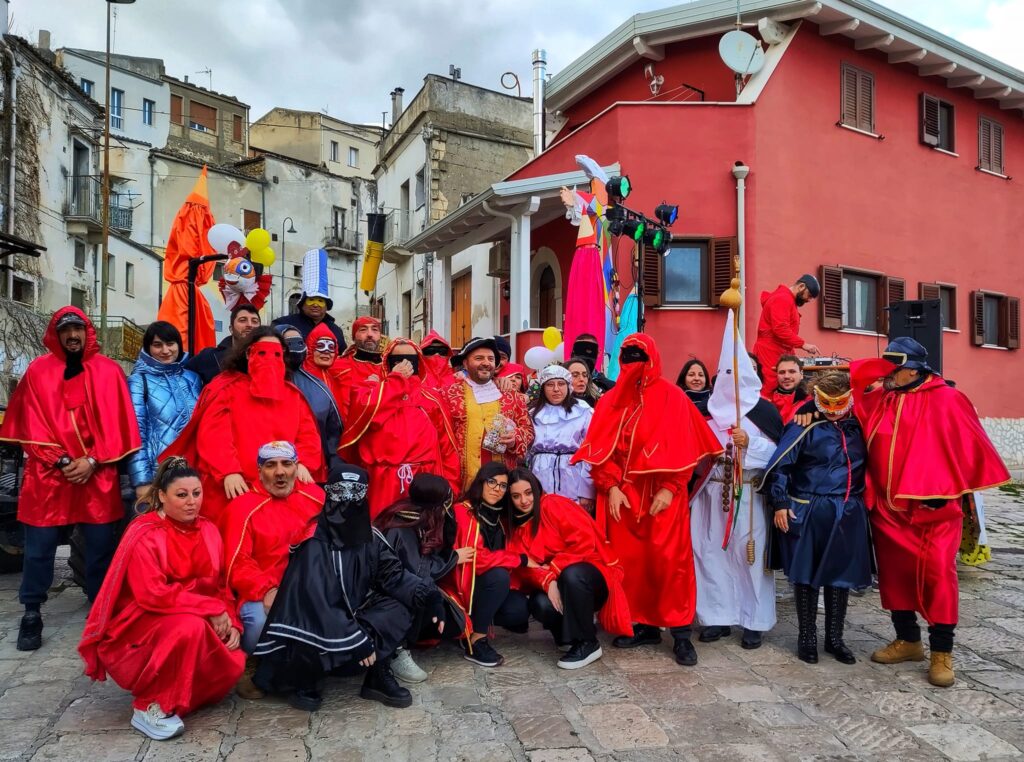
(250, 220)
(997, 147)
(652, 277)
(928, 291)
(977, 318)
(722, 253)
(986, 145)
(831, 297)
(893, 290)
(865, 101)
(176, 109)
(848, 105)
(1011, 321)
(236, 128)
(930, 133)
(202, 114)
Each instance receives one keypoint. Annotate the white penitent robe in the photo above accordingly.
(729, 590)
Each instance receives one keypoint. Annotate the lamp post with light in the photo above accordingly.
(291, 229)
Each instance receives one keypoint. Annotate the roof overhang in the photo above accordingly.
(12, 244)
(868, 24)
(473, 222)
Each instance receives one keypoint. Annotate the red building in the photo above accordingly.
(881, 157)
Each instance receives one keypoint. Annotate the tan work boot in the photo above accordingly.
(246, 688)
(940, 671)
(899, 651)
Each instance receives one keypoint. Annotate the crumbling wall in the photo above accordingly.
(21, 341)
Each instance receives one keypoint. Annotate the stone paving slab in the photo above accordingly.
(631, 706)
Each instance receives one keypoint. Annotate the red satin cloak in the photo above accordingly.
(439, 368)
(349, 374)
(646, 435)
(258, 532)
(925, 444)
(149, 627)
(567, 535)
(90, 415)
(230, 425)
(397, 428)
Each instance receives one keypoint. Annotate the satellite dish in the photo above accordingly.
(741, 52)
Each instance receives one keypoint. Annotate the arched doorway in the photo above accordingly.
(546, 314)
(546, 304)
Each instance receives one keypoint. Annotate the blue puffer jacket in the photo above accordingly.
(164, 397)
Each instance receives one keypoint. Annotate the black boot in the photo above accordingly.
(836, 599)
(713, 633)
(30, 634)
(643, 635)
(806, 598)
(380, 685)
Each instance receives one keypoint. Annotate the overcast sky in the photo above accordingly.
(345, 56)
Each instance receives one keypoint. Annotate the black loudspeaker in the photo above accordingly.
(921, 320)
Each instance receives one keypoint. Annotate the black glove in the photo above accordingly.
(433, 608)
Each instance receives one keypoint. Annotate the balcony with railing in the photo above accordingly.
(84, 203)
(341, 238)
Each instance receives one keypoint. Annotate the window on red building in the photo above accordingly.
(946, 294)
(856, 300)
(938, 124)
(990, 145)
(995, 320)
(857, 102)
(692, 273)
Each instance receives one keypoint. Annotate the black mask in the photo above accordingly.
(74, 363)
(700, 400)
(633, 354)
(586, 350)
(367, 356)
(294, 352)
(432, 350)
(347, 512)
(393, 360)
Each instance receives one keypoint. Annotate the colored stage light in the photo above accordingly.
(618, 188)
(634, 229)
(667, 213)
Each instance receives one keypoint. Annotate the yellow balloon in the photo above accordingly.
(552, 337)
(257, 240)
(264, 257)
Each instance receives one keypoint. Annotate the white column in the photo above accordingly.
(442, 322)
(519, 272)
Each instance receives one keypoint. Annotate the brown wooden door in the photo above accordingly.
(462, 310)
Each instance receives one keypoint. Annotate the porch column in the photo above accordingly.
(442, 322)
(519, 272)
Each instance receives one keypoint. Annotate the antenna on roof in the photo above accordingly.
(209, 73)
(454, 72)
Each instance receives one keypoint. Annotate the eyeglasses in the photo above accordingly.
(495, 484)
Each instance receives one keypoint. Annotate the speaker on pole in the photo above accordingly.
(921, 320)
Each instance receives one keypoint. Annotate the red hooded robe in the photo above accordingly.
(398, 428)
(646, 435)
(778, 333)
(350, 372)
(439, 367)
(149, 627)
(88, 415)
(924, 444)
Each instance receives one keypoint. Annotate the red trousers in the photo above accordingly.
(174, 660)
(916, 552)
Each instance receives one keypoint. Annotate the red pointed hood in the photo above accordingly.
(421, 366)
(52, 342)
(434, 338)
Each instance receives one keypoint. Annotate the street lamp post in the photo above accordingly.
(104, 265)
(291, 229)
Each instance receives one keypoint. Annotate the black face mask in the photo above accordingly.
(294, 352)
(586, 350)
(633, 354)
(436, 350)
(393, 360)
(367, 356)
(347, 512)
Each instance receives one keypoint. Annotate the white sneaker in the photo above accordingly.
(157, 724)
(405, 668)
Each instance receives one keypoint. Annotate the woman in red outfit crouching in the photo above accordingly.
(577, 577)
(163, 625)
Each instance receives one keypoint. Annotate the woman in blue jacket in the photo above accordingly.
(164, 394)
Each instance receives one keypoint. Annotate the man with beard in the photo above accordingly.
(259, 528)
(587, 348)
(437, 355)
(73, 416)
(789, 393)
(643, 443)
(345, 599)
(360, 365)
(489, 424)
(779, 325)
(926, 449)
(309, 362)
(315, 303)
(207, 364)
(397, 428)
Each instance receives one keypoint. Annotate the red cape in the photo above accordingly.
(937, 449)
(91, 414)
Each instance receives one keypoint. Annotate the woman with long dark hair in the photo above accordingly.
(421, 530)
(484, 586)
(164, 394)
(247, 405)
(560, 422)
(583, 387)
(164, 625)
(577, 576)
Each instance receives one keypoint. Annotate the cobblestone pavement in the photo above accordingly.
(631, 705)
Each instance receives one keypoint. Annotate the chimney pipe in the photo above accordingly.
(44, 39)
(396, 104)
(540, 64)
(186, 79)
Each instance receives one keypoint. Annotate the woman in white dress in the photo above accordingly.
(560, 421)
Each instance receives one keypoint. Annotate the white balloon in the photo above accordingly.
(222, 234)
(537, 357)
